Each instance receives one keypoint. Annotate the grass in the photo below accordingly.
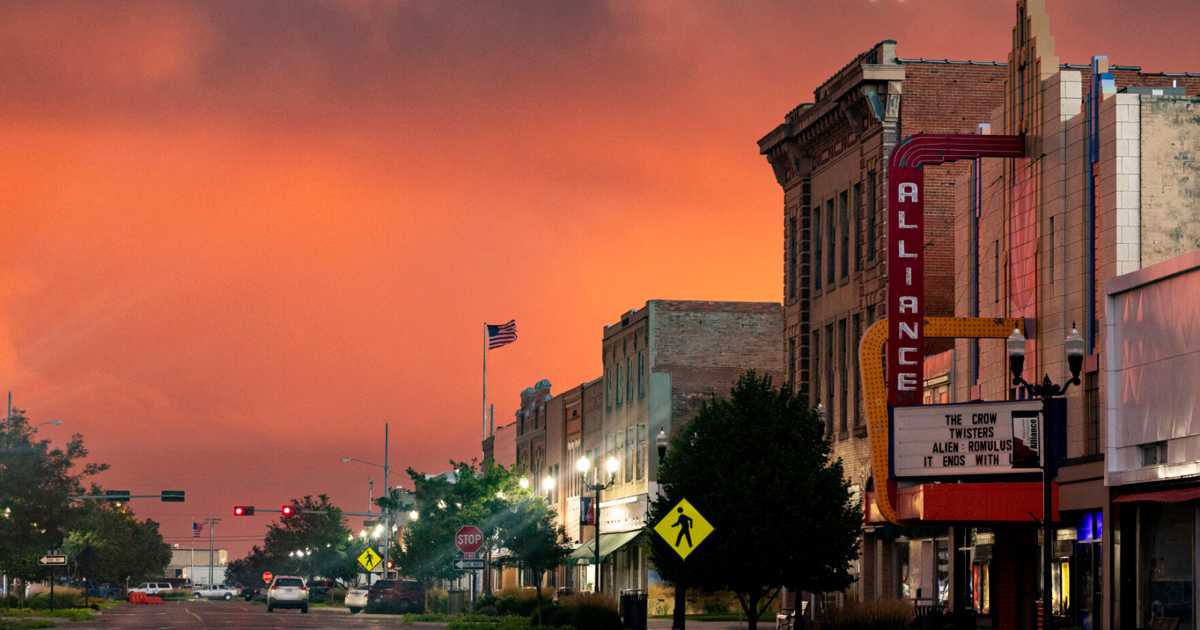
(73, 614)
(25, 624)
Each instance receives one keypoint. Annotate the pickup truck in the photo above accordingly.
(216, 592)
(96, 590)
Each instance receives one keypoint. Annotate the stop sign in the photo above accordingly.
(469, 539)
(267, 576)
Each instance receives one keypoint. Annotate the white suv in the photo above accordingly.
(151, 588)
(287, 592)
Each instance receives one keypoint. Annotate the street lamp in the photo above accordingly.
(387, 547)
(414, 515)
(1046, 391)
(661, 441)
(548, 483)
(524, 483)
(54, 422)
(583, 466)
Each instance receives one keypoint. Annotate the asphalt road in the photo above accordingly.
(234, 615)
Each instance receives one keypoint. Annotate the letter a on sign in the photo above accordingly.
(906, 285)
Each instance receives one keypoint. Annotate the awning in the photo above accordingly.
(586, 553)
(1163, 496)
(966, 503)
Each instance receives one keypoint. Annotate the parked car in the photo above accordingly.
(151, 588)
(318, 588)
(287, 591)
(356, 598)
(96, 590)
(395, 597)
(220, 591)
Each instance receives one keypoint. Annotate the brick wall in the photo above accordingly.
(706, 346)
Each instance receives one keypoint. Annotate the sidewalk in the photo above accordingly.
(665, 624)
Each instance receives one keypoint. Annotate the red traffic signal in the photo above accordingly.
(287, 510)
(243, 510)
(391, 565)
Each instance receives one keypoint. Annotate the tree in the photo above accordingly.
(247, 572)
(757, 465)
(312, 544)
(532, 540)
(109, 545)
(36, 483)
(444, 504)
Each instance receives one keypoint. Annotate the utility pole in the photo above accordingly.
(212, 529)
(387, 512)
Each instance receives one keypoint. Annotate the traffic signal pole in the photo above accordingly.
(387, 512)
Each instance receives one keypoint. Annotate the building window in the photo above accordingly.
(1154, 453)
(817, 252)
(858, 250)
(996, 269)
(792, 257)
(617, 385)
(1051, 250)
(792, 363)
(829, 367)
(815, 385)
(610, 447)
(831, 232)
(844, 202)
(856, 338)
(870, 235)
(608, 386)
(641, 375)
(1091, 414)
(629, 378)
(629, 456)
(641, 452)
(843, 355)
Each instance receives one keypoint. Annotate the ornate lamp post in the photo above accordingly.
(583, 466)
(1046, 391)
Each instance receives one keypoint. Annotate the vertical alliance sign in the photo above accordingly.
(906, 285)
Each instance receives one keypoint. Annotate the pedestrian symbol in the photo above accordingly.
(683, 528)
(369, 559)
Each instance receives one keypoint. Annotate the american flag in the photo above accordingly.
(501, 335)
(196, 529)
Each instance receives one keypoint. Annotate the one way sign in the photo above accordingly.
(464, 564)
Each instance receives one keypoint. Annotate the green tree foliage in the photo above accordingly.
(469, 497)
(36, 482)
(527, 531)
(757, 465)
(108, 544)
(247, 572)
(312, 544)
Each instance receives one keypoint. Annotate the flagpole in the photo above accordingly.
(485, 345)
(192, 566)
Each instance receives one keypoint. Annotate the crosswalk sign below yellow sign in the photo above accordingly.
(683, 528)
(369, 559)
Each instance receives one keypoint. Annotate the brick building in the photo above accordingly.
(660, 363)
(830, 156)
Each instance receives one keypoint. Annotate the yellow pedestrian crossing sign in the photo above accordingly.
(683, 528)
(369, 559)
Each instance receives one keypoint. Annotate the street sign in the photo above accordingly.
(683, 528)
(465, 564)
(369, 559)
(964, 439)
(267, 577)
(52, 561)
(469, 539)
(172, 496)
(116, 495)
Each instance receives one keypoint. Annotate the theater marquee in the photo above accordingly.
(960, 440)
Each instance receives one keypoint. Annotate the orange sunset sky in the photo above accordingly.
(241, 236)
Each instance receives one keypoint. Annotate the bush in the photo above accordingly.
(25, 624)
(335, 597)
(587, 611)
(437, 601)
(486, 611)
(63, 598)
(880, 614)
(72, 614)
(715, 607)
(176, 594)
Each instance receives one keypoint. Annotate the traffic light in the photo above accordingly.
(287, 510)
(391, 565)
(243, 510)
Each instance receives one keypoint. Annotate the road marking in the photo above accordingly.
(194, 615)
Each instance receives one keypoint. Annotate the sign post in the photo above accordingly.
(692, 530)
(54, 560)
(468, 540)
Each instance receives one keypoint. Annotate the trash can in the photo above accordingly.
(633, 609)
(455, 601)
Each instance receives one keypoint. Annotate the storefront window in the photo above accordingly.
(1167, 533)
(942, 556)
